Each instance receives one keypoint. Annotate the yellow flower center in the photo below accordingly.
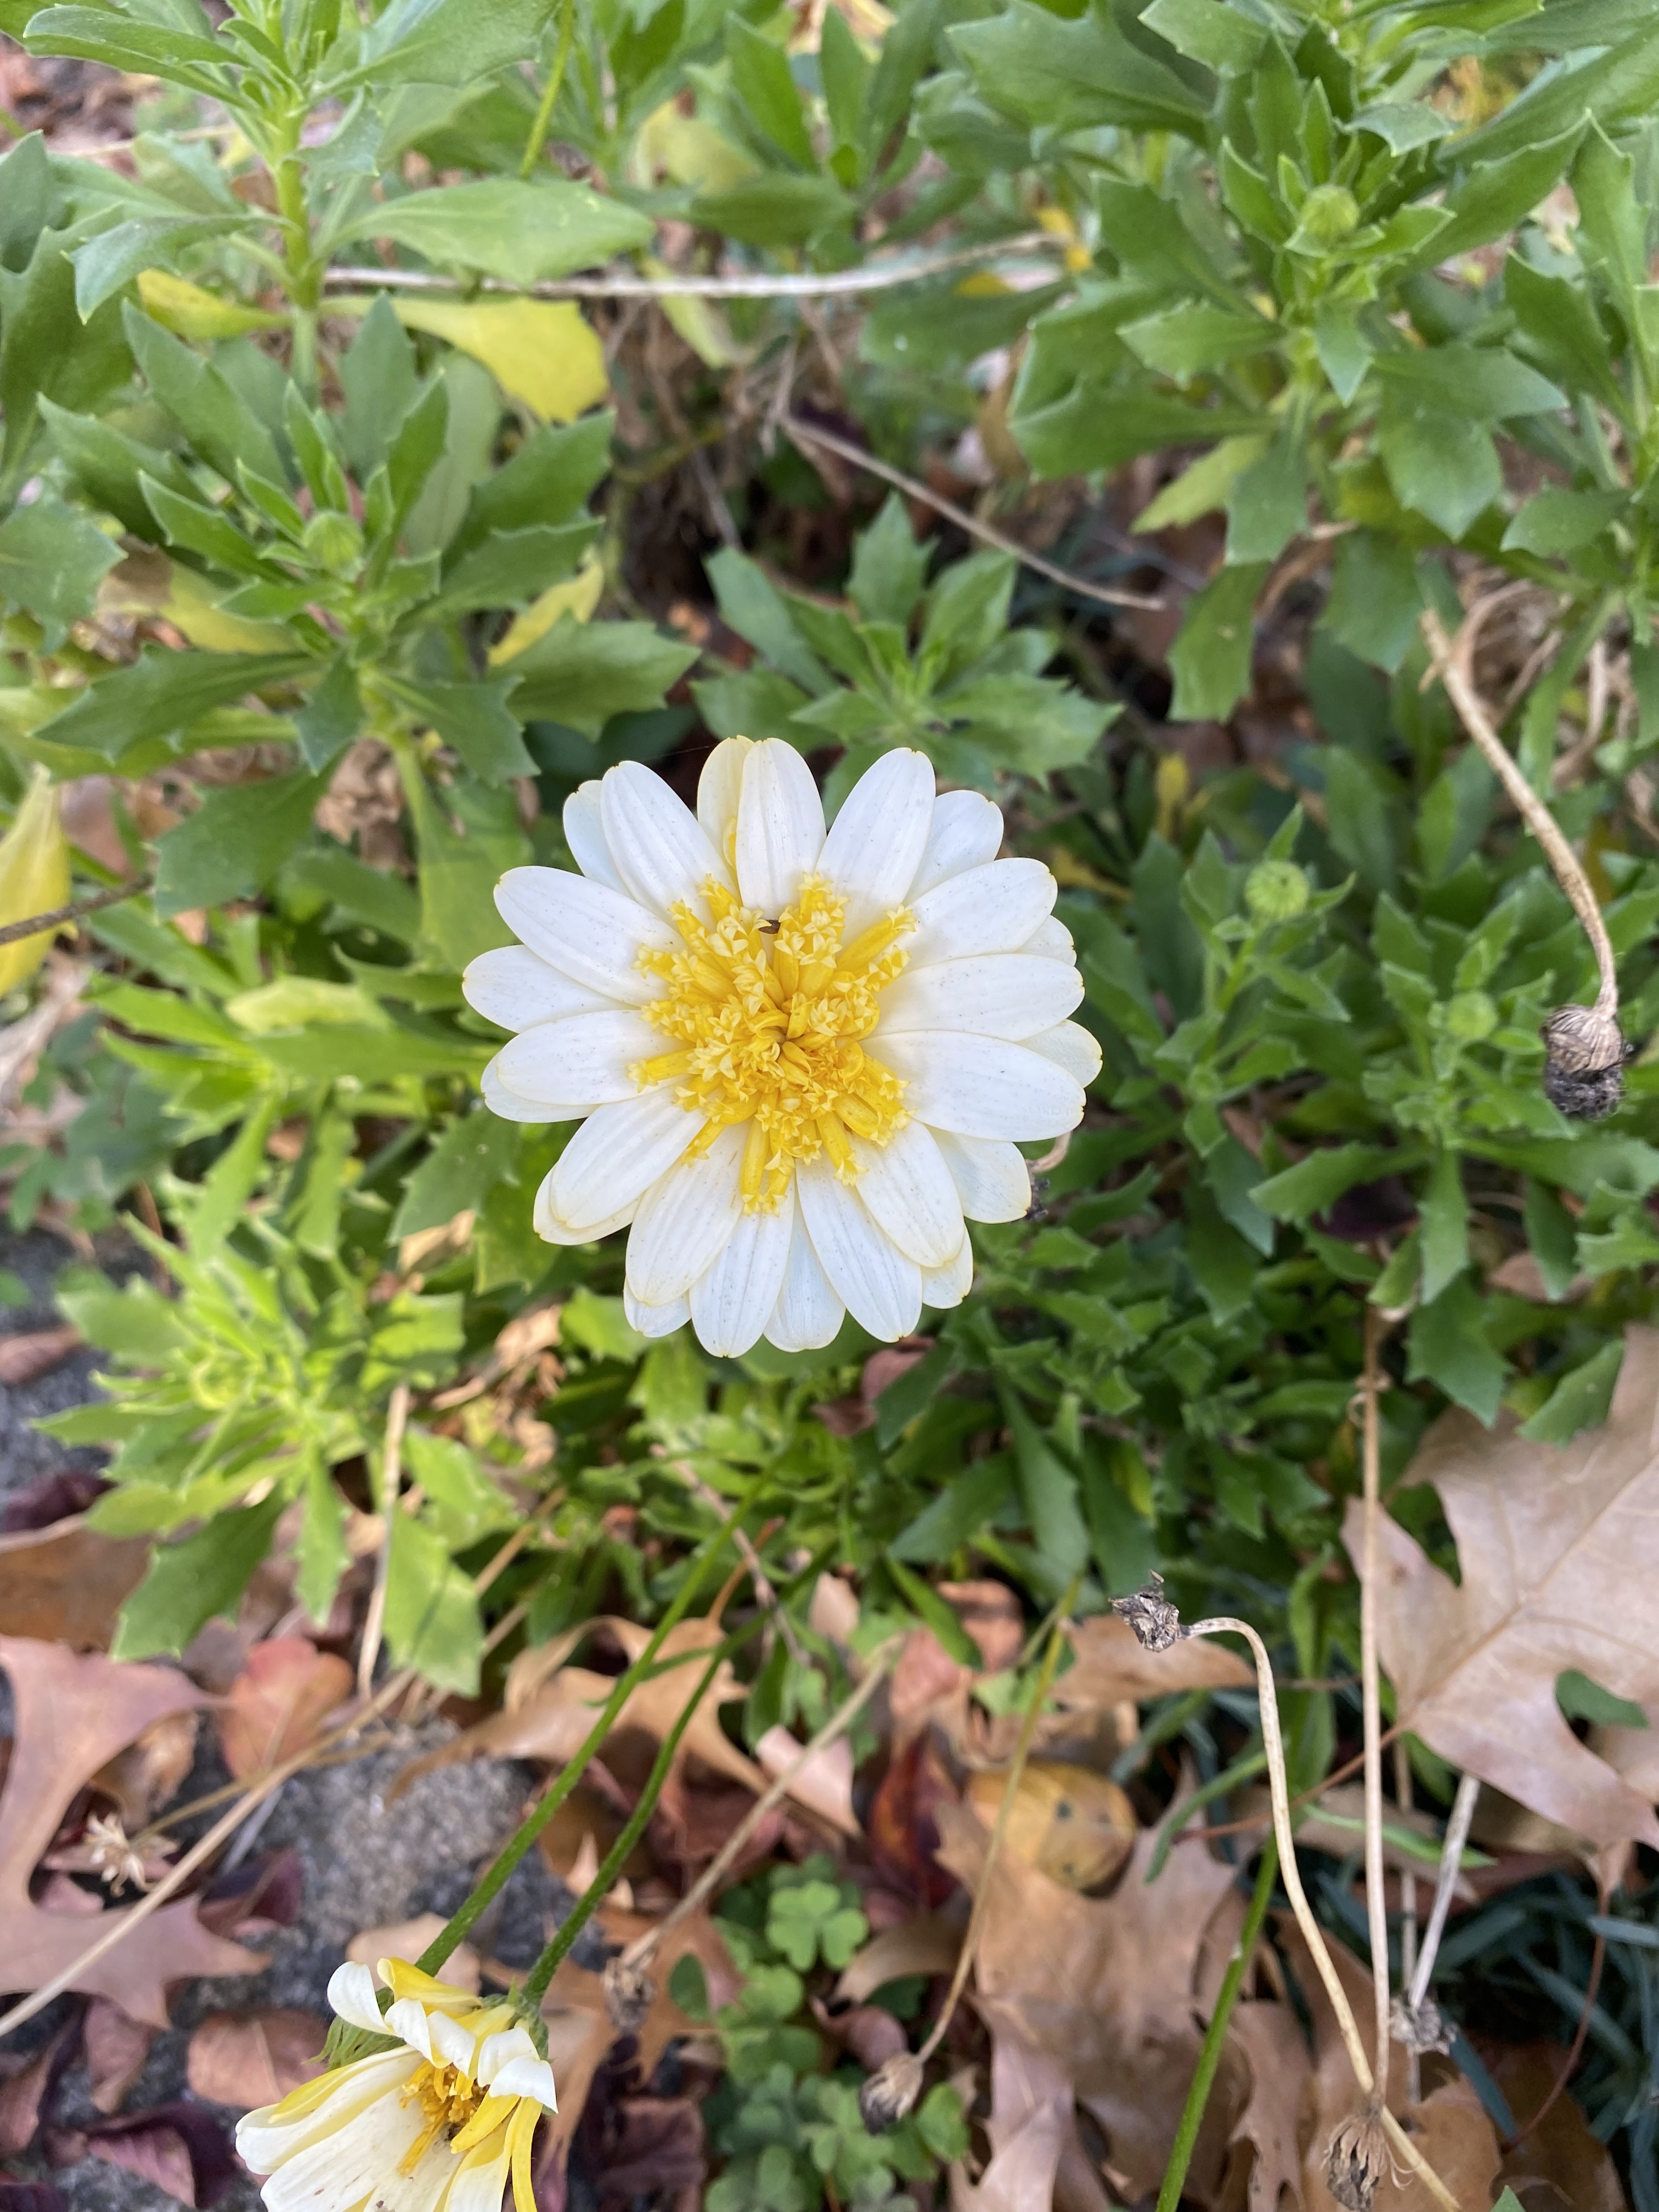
(769, 1019)
(447, 2101)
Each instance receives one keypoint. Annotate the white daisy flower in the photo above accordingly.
(438, 2125)
(802, 1061)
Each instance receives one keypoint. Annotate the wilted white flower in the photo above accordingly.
(437, 2125)
(802, 1061)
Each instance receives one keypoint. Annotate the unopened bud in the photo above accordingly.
(34, 877)
(1155, 1620)
(1585, 1054)
(1356, 2162)
(630, 1994)
(1329, 214)
(891, 2093)
(1276, 890)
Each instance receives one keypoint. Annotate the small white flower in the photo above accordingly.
(438, 2125)
(802, 1061)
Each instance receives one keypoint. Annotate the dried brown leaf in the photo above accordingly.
(115, 2049)
(654, 2143)
(1076, 1825)
(1558, 1552)
(26, 1358)
(179, 2147)
(407, 1939)
(142, 1778)
(22, 2096)
(245, 2059)
(1113, 1667)
(65, 1583)
(1264, 2132)
(278, 1703)
(825, 1784)
(1031, 2115)
(73, 1714)
(922, 1945)
(1558, 2166)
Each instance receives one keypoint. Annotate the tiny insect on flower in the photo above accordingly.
(439, 2124)
(803, 1061)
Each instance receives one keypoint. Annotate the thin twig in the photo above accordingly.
(1451, 1857)
(1452, 660)
(1376, 1911)
(61, 916)
(396, 1413)
(809, 434)
(1402, 1791)
(881, 1662)
(837, 283)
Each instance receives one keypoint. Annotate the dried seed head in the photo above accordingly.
(1420, 2027)
(1356, 2161)
(889, 2093)
(1155, 1620)
(1584, 1061)
(629, 1993)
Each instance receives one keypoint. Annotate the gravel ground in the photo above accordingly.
(367, 1860)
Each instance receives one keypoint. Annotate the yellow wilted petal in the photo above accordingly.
(185, 308)
(540, 352)
(34, 876)
(577, 596)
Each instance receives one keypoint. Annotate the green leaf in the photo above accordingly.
(107, 465)
(46, 351)
(474, 719)
(221, 427)
(160, 694)
(775, 209)
(511, 568)
(1049, 1489)
(1558, 326)
(472, 1156)
(432, 1620)
(1448, 1347)
(443, 42)
(1211, 656)
(1121, 1539)
(890, 567)
(1583, 1698)
(1184, 342)
(1492, 198)
(125, 42)
(1559, 521)
(378, 375)
(1552, 1236)
(501, 227)
(1580, 1399)
(466, 1504)
(1375, 602)
(332, 717)
(548, 480)
(1268, 505)
(1207, 31)
(581, 674)
(761, 79)
(1444, 1225)
(52, 562)
(1203, 485)
(934, 1613)
(234, 843)
(321, 1554)
(1482, 383)
(460, 865)
(969, 1503)
(1223, 1265)
(752, 605)
(1441, 463)
(189, 1583)
(1074, 75)
(1358, 817)
(1315, 1184)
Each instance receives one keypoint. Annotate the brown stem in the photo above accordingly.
(34, 925)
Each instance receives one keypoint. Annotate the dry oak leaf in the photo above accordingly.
(73, 1714)
(1559, 1550)
(1031, 2115)
(1111, 1667)
(1108, 1989)
(1264, 2161)
(278, 1703)
(244, 2059)
(67, 1581)
(1559, 2165)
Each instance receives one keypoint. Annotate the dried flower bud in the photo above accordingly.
(891, 2093)
(629, 1993)
(1357, 2160)
(1155, 1620)
(1420, 2027)
(1585, 1054)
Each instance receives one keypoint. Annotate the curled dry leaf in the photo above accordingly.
(1031, 2115)
(26, 1358)
(115, 2049)
(180, 2148)
(245, 2059)
(278, 1703)
(407, 1939)
(22, 2096)
(65, 1583)
(825, 1784)
(1112, 1667)
(143, 1776)
(924, 1944)
(73, 1715)
(1262, 2157)
(1558, 1551)
(651, 2147)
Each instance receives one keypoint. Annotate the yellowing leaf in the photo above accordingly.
(149, 584)
(187, 309)
(539, 351)
(1203, 486)
(577, 596)
(700, 322)
(690, 151)
(296, 1002)
(34, 876)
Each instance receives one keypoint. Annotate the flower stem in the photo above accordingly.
(1215, 2035)
(544, 122)
(1377, 1911)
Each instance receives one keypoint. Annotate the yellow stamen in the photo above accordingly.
(769, 1020)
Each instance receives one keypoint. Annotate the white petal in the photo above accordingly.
(1001, 994)
(512, 988)
(452, 2043)
(578, 1064)
(733, 1302)
(1053, 941)
(264, 2144)
(682, 1225)
(661, 851)
(495, 2051)
(780, 826)
(508, 1106)
(423, 2191)
(808, 1313)
(947, 1286)
(1069, 1046)
(655, 1320)
(879, 1287)
(588, 932)
(994, 909)
(477, 2188)
(618, 1153)
(584, 832)
(410, 2022)
(965, 833)
(345, 2166)
(352, 1995)
(553, 1229)
(527, 2077)
(876, 842)
(979, 1087)
(718, 787)
(991, 1176)
(907, 1190)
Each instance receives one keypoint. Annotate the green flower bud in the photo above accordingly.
(334, 542)
(1275, 890)
(1329, 214)
(1470, 1016)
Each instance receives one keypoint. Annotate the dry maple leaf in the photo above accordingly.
(1108, 1988)
(74, 1713)
(1558, 1551)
